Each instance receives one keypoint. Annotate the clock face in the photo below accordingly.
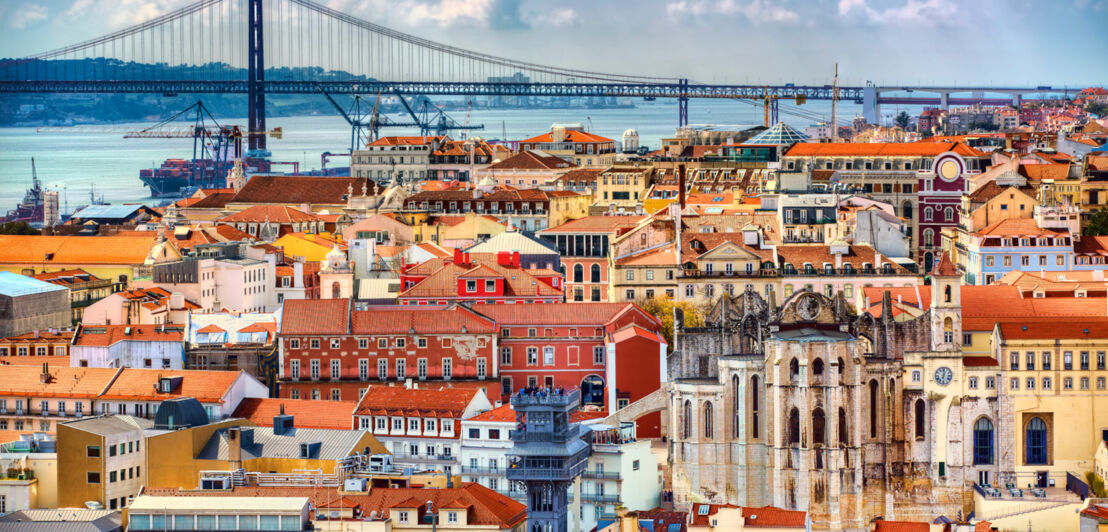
(943, 376)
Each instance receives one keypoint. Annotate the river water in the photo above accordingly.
(74, 163)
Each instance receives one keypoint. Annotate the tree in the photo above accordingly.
(1096, 108)
(18, 228)
(1098, 223)
(662, 308)
(903, 119)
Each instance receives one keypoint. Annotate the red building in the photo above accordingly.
(582, 345)
(478, 278)
(328, 351)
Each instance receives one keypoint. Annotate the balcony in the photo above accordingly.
(597, 497)
(407, 457)
(482, 470)
(600, 475)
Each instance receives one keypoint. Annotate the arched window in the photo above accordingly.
(1036, 441)
(818, 425)
(844, 434)
(336, 290)
(928, 238)
(736, 403)
(794, 368)
(708, 428)
(686, 418)
(578, 273)
(921, 415)
(947, 294)
(906, 210)
(794, 426)
(983, 441)
(928, 213)
(948, 214)
(948, 330)
(817, 367)
(594, 273)
(872, 409)
(754, 406)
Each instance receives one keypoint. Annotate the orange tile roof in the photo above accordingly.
(529, 160)
(703, 518)
(53, 361)
(1019, 227)
(86, 250)
(596, 224)
(879, 149)
(278, 214)
(64, 381)
(1045, 171)
(413, 140)
(561, 314)
(708, 241)
(442, 402)
(572, 135)
(816, 255)
(983, 306)
(106, 335)
(505, 414)
(40, 336)
(402, 319)
(309, 414)
(773, 517)
(206, 234)
(141, 384)
(442, 278)
(315, 316)
(945, 267)
(662, 256)
(66, 277)
(1055, 329)
(297, 190)
(900, 526)
(489, 508)
(1092, 245)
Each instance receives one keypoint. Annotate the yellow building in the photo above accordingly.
(461, 230)
(311, 247)
(621, 188)
(644, 275)
(117, 257)
(102, 459)
(1055, 374)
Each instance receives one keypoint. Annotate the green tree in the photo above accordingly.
(1098, 223)
(18, 228)
(903, 119)
(1096, 484)
(1096, 108)
(662, 308)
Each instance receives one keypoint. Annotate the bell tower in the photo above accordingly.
(946, 306)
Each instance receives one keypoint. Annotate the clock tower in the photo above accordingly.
(946, 306)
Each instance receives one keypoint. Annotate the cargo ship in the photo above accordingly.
(31, 209)
(178, 178)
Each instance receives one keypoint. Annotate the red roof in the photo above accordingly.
(572, 135)
(106, 335)
(703, 518)
(315, 316)
(441, 279)
(488, 507)
(596, 224)
(405, 141)
(443, 402)
(1019, 227)
(900, 526)
(879, 149)
(278, 214)
(67, 277)
(141, 385)
(298, 190)
(402, 319)
(307, 413)
(586, 314)
(770, 516)
(945, 267)
(1056, 329)
(529, 160)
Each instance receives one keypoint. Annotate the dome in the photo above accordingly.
(630, 132)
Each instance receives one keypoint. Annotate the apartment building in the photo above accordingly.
(584, 247)
(101, 459)
(128, 346)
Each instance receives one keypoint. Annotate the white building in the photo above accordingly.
(419, 427)
(128, 346)
(241, 280)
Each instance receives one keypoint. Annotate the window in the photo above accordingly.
(990, 383)
(1084, 383)
(1036, 441)
(1067, 360)
(401, 368)
(382, 369)
(481, 368)
(294, 343)
(548, 355)
(1030, 383)
(336, 369)
(1100, 360)
(532, 356)
(335, 343)
(983, 441)
(505, 356)
(315, 368)
(1030, 361)
(92, 451)
(1084, 360)
(921, 415)
(402, 517)
(1067, 383)
(1015, 361)
(1100, 383)
(873, 409)
(598, 355)
(447, 368)
(363, 343)
(917, 375)
(363, 369)
(708, 421)
(1046, 360)
(421, 368)
(973, 383)
(92, 477)
(314, 343)
(686, 418)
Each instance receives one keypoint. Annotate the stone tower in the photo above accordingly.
(946, 306)
(547, 456)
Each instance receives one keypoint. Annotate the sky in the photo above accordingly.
(968, 42)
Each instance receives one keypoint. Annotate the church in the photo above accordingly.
(809, 405)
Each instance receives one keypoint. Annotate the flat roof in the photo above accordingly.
(13, 284)
(150, 503)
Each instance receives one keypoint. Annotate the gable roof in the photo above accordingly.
(278, 214)
(531, 160)
(315, 316)
(395, 319)
(596, 224)
(85, 250)
(513, 241)
(572, 135)
(206, 386)
(489, 508)
(442, 402)
(107, 335)
(306, 413)
(442, 278)
(296, 190)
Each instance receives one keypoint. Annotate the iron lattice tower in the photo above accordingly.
(547, 456)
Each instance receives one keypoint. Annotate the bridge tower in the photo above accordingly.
(255, 81)
(682, 102)
(548, 454)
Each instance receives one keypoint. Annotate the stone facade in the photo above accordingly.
(809, 406)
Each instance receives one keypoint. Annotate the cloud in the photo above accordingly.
(921, 12)
(491, 14)
(27, 14)
(753, 10)
(556, 18)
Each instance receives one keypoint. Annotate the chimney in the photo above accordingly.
(45, 376)
(681, 186)
(515, 259)
(282, 423)
(1098, 275)
(176, 300)
(503, 258)
(458, 257)
(234, 447)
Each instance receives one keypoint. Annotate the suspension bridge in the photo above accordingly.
(260, 47)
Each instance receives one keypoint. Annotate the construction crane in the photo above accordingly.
(365, 123)
(433, 120)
